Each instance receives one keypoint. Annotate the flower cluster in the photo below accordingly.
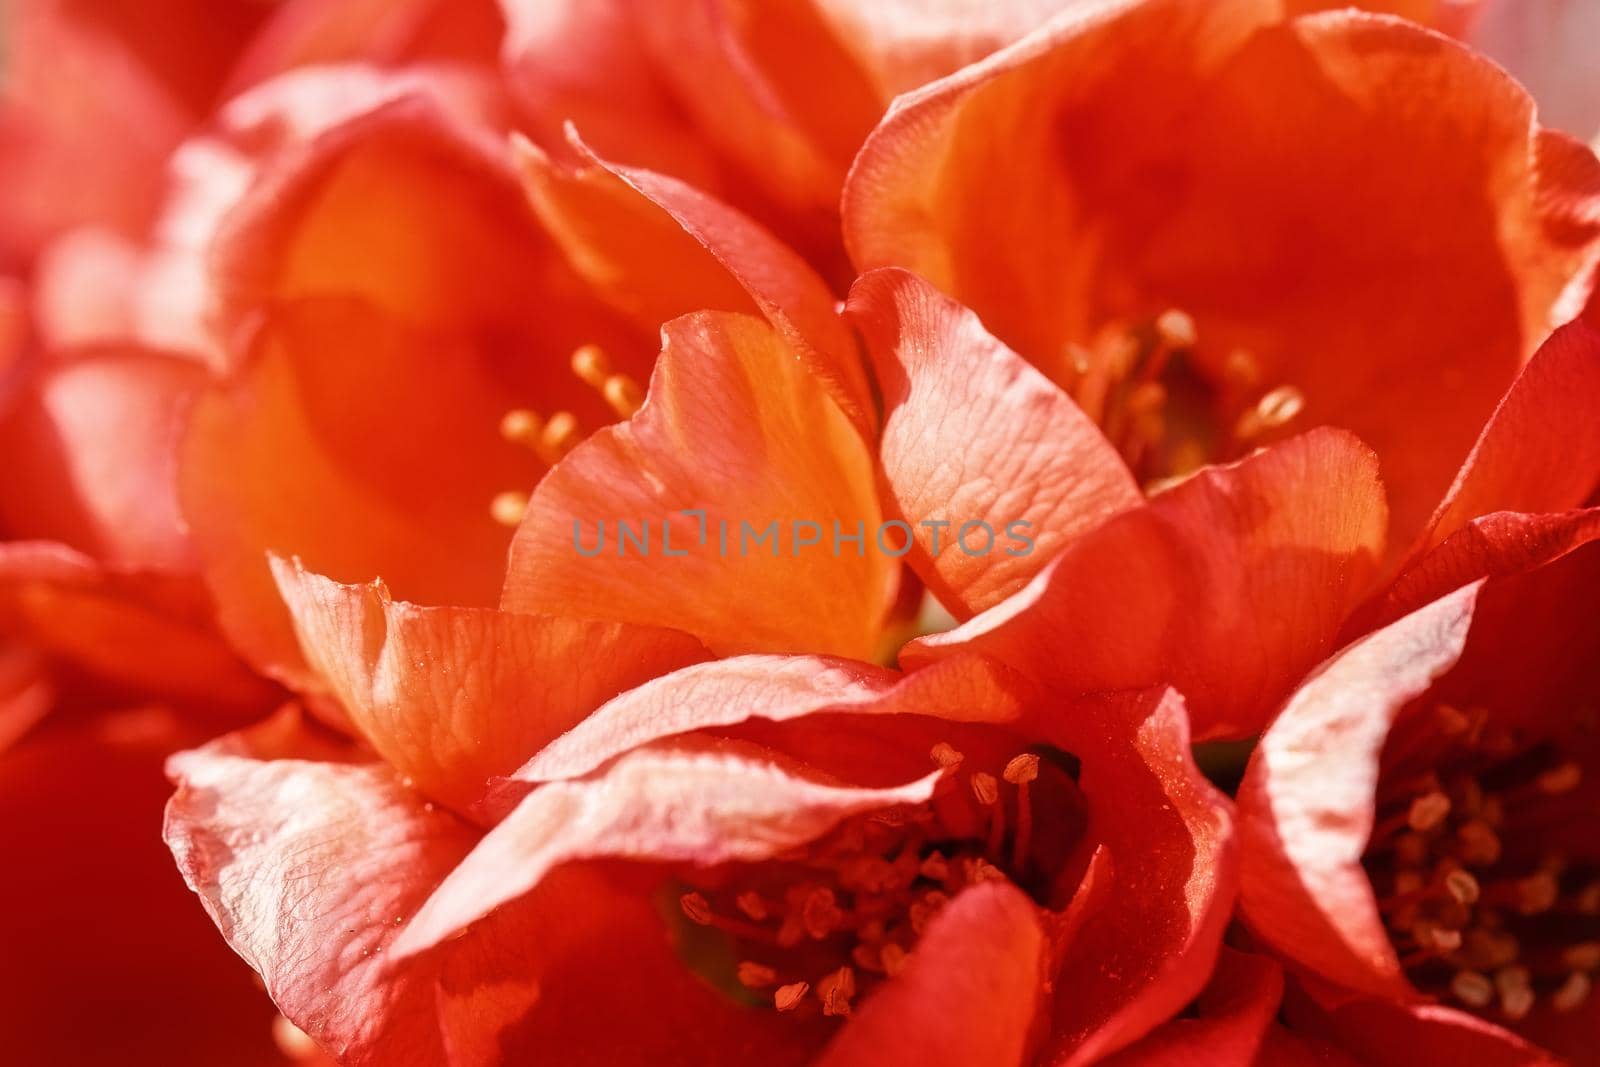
(1205, 395)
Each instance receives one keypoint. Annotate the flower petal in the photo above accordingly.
(738, 430)
(658, 248)
(1228, 586)
(971, 434)
(451, 697)
(698, 802)
(1232, 1018)
(1394, 264)
(1540, 450)
(1306, 807)
(777, 688)
(92, 454)
(307, 866)
(1149, 939)
(968, 996)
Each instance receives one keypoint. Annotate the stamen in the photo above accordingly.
(560, 435)
(788, 997)
(893, 958)
(1428, 812)
(1275, 408)
(754, 975)
(836, 990)
(1573, 993)
(1584, 956)
(521, 426)
(985, 788)
(1516, 992)
(1562, 779)
(696, 908)
(623, 394)
(1472, 989)
(509, 507)
(1462, 886)
(752, 905)
(1480, 845)
(1021, 770)
(945, 755)
(590, 364)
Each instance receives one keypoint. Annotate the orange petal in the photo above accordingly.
(736, 428)
(681, 801)
(971, 434)
(1395, 264)
(1227, 586)
(1306, 806)
(658, 248)
(451, 697)
(327, 444)
(968, 995)
(779, 689)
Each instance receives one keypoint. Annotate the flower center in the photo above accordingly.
(552, 438)
(1481, 911)
(1168, 418)
(812, 930)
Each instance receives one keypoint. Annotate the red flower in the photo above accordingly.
(1336, 258)
(882, 867)
(1417, 819)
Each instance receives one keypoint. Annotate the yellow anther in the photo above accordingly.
(1176, 329)
(509, 507)
(1428, 812)
(1472, 989)
(623, 394)
(521, 426)
(1021, 769)
(560, 434)
(945, 755)
(590, 364)
(985, 788)
(788, 997)
(1462, 886)
(754, 975)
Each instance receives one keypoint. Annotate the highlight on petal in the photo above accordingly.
(969, 994)
(1228, 586)
(676, 801)
(1393, 265)
(309, 865)
(779, 689)
(1306, 807)
(659, 248)
(1147, 938)
(972, 433)
(452, 697)
(737, 452)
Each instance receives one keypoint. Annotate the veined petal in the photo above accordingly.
(451, 697)
(736, 439)
(973, 434)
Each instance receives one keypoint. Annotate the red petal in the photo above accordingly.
(1150, 939)
(778, 689)
(1276, 548)
(1232, 1020)
(736, 427)
(1307, 802)
(1540, 451)
(968, 996)
(659, 248)
(684, 801)
(451, 697)
(972, 433)
(92, 456)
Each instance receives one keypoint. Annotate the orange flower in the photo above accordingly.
(1360, 223)
(859, 867)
